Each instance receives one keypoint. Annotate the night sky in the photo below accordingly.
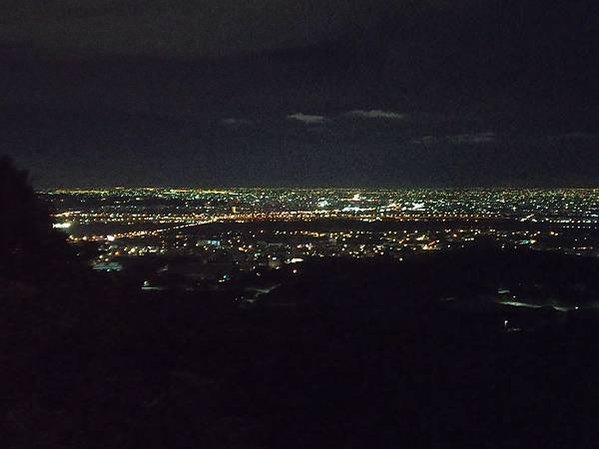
(370, 93)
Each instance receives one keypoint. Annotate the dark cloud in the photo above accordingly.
(179, 28)
(377, 114)
(308, 119)
(473, 138)
(236, 122)
(276, 92)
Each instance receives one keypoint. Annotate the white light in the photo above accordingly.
(110, 238)
(61, 225)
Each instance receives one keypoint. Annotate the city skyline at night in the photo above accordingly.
(224, 235)
(296, 224)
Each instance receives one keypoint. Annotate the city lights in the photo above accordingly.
(245, 229)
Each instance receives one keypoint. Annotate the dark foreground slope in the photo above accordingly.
(372, 369)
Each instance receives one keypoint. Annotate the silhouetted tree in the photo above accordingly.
(31, 251)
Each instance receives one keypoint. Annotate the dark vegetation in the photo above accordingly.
(343, 354)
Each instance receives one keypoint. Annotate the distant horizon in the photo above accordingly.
(224, 188)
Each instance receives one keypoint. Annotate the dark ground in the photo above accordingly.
(366, 356)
